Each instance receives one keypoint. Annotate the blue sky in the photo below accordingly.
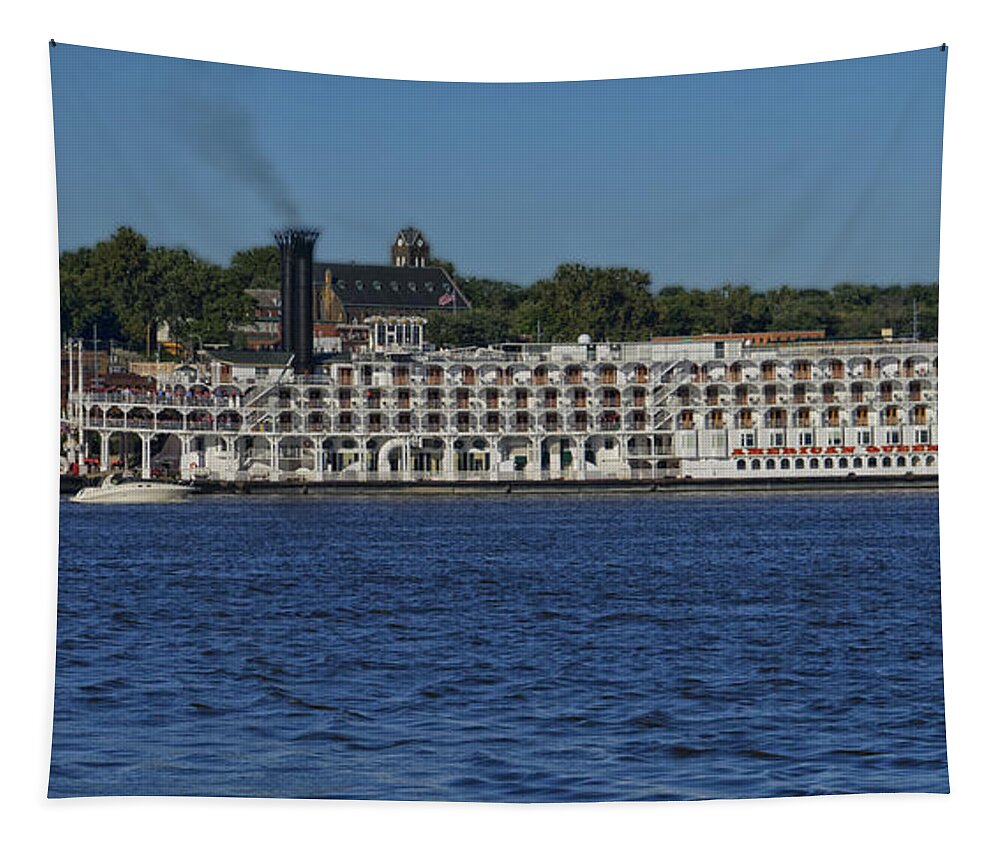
(803, 175)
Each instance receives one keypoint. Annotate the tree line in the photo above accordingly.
(618, 304)
(125, 288)
(122, 289)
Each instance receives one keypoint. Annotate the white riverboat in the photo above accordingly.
(717, 407)
(121, 491)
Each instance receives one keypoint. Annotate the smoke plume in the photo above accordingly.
(226, 138)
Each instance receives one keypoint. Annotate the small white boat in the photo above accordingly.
(131, 491)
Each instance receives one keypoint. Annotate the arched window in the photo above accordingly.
(741, 464)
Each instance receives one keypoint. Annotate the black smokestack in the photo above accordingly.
(296, 246)
(284, 240)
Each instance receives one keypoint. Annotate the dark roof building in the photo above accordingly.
(348, 293)
(361, 290)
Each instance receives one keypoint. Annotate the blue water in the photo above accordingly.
(501, 649)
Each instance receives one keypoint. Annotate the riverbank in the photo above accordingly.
(71, 484)
(567, 487)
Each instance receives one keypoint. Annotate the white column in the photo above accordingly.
(555, 457)
(105, 450)
(580, 456)
(494, 459)
(273, 441)
(448, 459)
(407, 458)
(146, 455)
(533, 469)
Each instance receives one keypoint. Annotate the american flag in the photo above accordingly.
(446, 299)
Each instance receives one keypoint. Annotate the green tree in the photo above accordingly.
(120, 266)
(257, 268)
(607, 303)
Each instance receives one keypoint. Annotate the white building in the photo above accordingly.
(721, 408)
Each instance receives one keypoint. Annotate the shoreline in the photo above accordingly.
(69, 485)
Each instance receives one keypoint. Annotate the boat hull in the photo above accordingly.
(133, 493)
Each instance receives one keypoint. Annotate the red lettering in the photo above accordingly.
(774, 451)
(737, 452)
(932, 447)
(889, 448)
(831, 450)
(815, 450)
(902, 448)
(918, 447)
(755, 452)
(847, 450)
(872, 449)
(789, 450)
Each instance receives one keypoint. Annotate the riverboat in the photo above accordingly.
(722, 407)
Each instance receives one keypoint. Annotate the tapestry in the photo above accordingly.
(528, 442)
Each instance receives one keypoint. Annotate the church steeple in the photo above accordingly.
(410, 248)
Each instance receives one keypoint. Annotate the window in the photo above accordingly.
(805, 438)
(834, 439)
(923, 435)
(892, 437)
(777, 439)
(864, 438)
(747, 439)
(261, 372)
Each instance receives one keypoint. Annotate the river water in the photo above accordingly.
(554, 648)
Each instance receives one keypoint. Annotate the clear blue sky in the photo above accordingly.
(804, 175)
